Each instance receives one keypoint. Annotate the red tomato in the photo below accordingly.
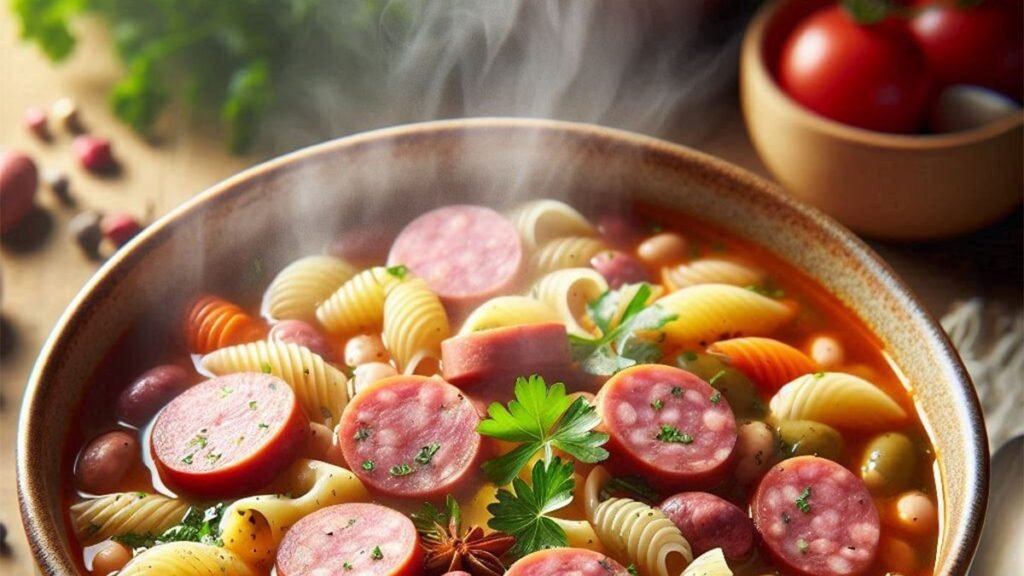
(981, 45)
(871, 76)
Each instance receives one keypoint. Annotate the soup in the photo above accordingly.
(537, 392)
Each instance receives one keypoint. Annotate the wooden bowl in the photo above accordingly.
(295, 204)
(892, 186)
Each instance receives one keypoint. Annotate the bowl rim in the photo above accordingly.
(45, 539)
(752, 59)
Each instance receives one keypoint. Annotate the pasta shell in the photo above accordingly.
(711, 312)
(300, 287)
(542, 220)
(187, 559)
(98, 519)
(768, 363)
(712, 271)
(838, 400)
(505, 311)
(213, 323)
(415, 323)
(568, 292)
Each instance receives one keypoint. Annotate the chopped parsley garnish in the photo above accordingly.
(819, 374)
(690, 356)
(187, 459)
(398, 271)
(401, 470)
(671, 434)
(657, 404)
(361, 434)
(226, 391)
(434, 524)
(369, 465)
(523, 511)
(716, 397)
(718, 376)
(212, 457)
(541, 418)
(632, 570)
(252, 404)
(633, 339)
(677, 392)
(377, 554)
(802, 545)
(141, 495)
(801, 501)
(426, 454)
(263, 425)
(346, 565)
(266, 368)
(197, 441)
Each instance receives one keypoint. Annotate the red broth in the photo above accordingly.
(909, 552)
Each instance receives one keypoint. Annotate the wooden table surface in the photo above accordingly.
(42, 273)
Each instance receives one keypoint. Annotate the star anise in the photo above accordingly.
(447, 547)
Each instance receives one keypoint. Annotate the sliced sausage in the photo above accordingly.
(816, 518)
(105, 461)
(357, 538)
(465, 253)
(229, 435)
(145, 396)
(708, 522)
(619, 268)
(410, 436)
(488, 362)
(566, 562)
(669, 425)
(303, 334)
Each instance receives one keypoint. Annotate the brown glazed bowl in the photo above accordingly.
(893, 186)
(295, 204)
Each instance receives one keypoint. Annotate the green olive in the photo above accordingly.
(888, 464)
(741, 394)
(809, 438)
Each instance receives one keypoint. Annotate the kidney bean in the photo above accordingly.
(105, 461)
(144, 397)
(303, 334)
(93, 153)
(619, 268)
(18, 181)
(119, 228)
(616, 229)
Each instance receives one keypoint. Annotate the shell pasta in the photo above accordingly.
(712, 271)
(568, 252)
(542, 220)
(301, 286)
(710, 563)
(636, 533)
(214, 323)
(711, 312)
(837, 399)
(568, 292)
(505, 311)
(415, 323)
(358, 306)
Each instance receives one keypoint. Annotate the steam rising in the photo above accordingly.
(659, 67)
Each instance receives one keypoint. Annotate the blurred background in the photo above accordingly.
(113, 112)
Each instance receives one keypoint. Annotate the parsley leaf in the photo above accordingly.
(523, 512)
(541, 417)
(433, 524)
(634, 339)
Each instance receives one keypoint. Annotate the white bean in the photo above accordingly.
(365, 348)
(366, 374)
(663, 248)
(755, 451)
(916, 513)
(827, 352)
